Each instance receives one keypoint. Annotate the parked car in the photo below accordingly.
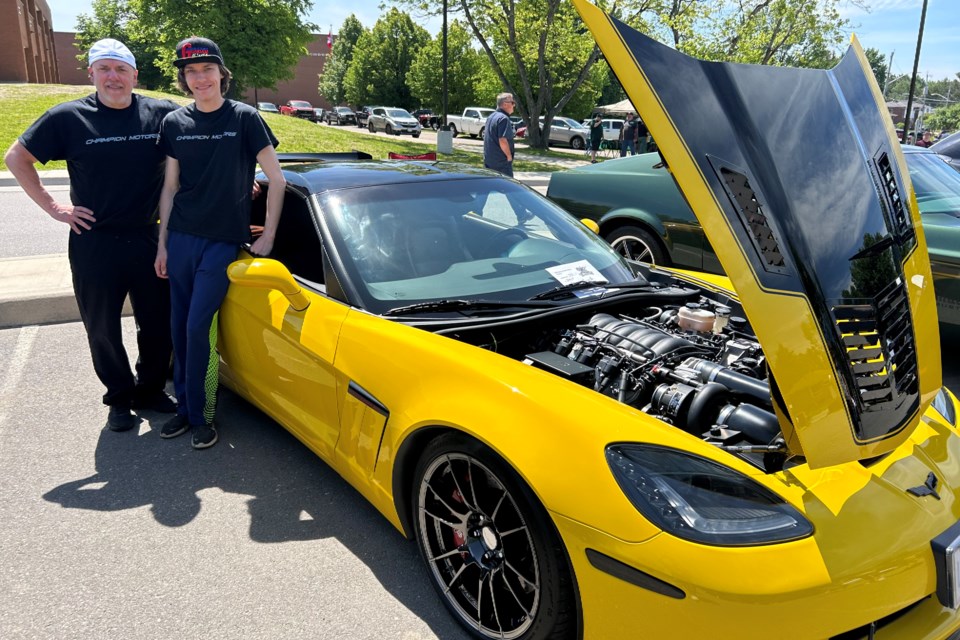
(427, 118)
(341, 116)
(319, 113)
(642, 213)
(393, 121)
(472, 121)
(611, 128)
(363, 116)
(517, 122)
(267, 107)
(949, 148)
(562, 131)
(299, 109)
(769, 454)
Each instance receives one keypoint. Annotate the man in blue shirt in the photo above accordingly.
(498, 137)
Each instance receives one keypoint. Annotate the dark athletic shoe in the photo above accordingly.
(204, 436)
(174, 427)
(160, 401)
(121, 419)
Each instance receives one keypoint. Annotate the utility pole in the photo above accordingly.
(913, 78)
(886, 78)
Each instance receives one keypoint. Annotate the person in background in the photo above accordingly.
(628, 136)
(643, 137)
(109, 142)
(212, 148)
(596, 137)
(498, 136)
(926, 140)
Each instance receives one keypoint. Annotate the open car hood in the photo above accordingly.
(801, 188)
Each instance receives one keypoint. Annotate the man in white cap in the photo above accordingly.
(109, 140)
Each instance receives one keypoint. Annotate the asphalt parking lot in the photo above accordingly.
(125, 535)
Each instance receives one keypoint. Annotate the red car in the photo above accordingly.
(299, 109)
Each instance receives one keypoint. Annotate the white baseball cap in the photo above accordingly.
(111, 49)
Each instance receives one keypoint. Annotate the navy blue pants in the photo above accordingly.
(107, 266)
(197, 268)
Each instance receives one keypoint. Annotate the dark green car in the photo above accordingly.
(642, 214)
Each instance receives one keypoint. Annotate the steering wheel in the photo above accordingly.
(499, 243)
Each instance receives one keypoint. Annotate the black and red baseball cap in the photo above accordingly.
(196, 49)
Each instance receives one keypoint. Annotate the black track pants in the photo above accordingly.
(108, 265)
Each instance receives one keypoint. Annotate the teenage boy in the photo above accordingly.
(212, 148)
(109, 140)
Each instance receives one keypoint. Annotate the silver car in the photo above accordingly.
(567, 131)
(393, 121)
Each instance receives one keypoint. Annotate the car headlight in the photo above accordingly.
(943, 403)
(699, 500)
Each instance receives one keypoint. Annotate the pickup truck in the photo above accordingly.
(299, 109)
(472, 122)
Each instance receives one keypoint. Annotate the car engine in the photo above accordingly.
(693, 366)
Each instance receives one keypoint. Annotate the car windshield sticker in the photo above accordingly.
(580, 271)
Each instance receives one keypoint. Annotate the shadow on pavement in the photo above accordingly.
(294, 496)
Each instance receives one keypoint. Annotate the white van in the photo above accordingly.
(611, 127)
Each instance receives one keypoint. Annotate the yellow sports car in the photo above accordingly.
(584, 447)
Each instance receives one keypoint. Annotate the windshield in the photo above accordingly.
(343, 110)
(301, 104)
(485, 113)
(486, 239)
(398, 113)
(936, 183)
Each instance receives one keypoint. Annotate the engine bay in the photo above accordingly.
(683, 355)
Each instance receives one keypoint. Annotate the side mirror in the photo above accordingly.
(263, 273)
(590, 224)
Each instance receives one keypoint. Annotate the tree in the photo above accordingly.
(540, 51)
(116, 19)
(467, 73)
(381, 59)
(261, 40)
(338, 62)
(944, 118)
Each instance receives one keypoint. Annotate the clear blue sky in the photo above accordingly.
(890, 26)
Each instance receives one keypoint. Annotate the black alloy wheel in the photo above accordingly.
(634, 243)
(492, 552)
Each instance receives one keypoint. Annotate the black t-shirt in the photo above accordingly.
(115, 168)
(217, 152)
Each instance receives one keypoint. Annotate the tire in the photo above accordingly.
(577, 143)
(453, 131)
(370, 127)
(635, 243)
(463, 493)
(482, 130)
(416, 135)
(388, 130)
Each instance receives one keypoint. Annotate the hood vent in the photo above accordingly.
(751, 215)
(880, 351)
(892, 198)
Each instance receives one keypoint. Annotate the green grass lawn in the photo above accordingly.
(21, 104)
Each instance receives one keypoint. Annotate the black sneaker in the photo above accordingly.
(159, 401)
(174, 427)
(204, 436)
(121, 419)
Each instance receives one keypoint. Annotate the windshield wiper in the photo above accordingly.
(589, 284)
(454, 304)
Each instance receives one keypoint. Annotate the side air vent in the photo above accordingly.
(751, 214)
(893, 198)
(880, 350)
